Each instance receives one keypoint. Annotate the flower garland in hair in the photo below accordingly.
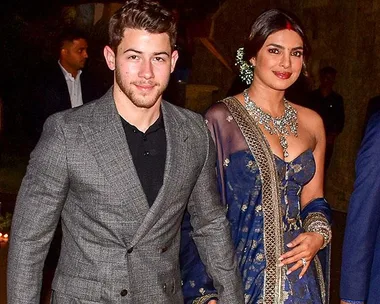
(245, 68)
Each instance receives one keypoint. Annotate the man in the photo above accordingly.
(360, 275)
(120, 172)
(329, 105)
(64, 84)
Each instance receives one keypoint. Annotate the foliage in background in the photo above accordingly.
(5, 222)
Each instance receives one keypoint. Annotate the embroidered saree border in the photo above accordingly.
(274, 278)
(204, 299)
(321, 280)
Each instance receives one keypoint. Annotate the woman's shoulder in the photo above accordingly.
(217, 111)
(308, 116)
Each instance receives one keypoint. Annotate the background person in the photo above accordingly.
(329, 105)
(360, 273)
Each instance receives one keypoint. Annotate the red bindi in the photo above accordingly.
(289, 26)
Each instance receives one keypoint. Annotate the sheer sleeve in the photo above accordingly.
(197, 285)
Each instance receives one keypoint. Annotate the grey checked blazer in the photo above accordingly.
(115, 249)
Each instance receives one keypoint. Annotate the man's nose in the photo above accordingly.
(146, 69)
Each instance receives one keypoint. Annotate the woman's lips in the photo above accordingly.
(283, 75)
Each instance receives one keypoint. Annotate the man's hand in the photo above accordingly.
(213, 302)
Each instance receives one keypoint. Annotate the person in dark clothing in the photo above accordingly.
(372, 107)
(329, 105)
(63, 83)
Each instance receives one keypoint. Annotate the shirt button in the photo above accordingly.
(124, 292)
(130, 250)
(146, 153)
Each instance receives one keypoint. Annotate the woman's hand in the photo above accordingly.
(304, 248)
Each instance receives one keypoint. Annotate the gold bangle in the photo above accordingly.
(317, 222)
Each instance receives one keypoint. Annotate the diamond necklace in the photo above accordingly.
(274, 125)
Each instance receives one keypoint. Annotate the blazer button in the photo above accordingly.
(164, 287)
(124, 292)
(130, 250)
(163, 249)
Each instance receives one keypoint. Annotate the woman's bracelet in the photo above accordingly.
(317, 222)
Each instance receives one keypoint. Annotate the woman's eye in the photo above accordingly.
(297, 53)
(274, 51)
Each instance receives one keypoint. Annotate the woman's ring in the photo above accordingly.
(304, 262)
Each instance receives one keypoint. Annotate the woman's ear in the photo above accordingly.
(253, 61)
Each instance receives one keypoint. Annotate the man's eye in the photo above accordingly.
(159, 59)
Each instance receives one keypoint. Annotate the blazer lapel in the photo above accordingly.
(107, 142)
(176, 137)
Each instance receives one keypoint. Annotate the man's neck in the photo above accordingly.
(325, 91)
(141, 118)
(69, 69)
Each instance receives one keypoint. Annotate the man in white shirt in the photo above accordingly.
(64, 83)
(72, 59)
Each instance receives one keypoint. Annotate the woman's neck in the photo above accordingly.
(269, 100)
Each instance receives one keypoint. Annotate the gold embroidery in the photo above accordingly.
(274, 277)
(204, 299)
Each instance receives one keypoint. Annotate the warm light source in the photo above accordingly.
(3, 237)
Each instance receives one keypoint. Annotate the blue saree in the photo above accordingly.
(264, 216)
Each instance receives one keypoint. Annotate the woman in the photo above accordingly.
(270, 159)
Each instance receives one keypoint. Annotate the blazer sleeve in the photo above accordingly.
(363, 219)
(211, 233)
(37, 212)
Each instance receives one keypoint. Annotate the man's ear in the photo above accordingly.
(109, 55)
(62, 52)
(174, 59)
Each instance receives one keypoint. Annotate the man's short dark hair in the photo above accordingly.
(69, 35)
(142, 15)
(327, 70)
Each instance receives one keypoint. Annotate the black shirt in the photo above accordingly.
(148, 152)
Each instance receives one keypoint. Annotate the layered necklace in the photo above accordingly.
(281, 126)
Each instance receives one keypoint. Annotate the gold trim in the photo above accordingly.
(320, 278)
(274, 278)
(205, 298)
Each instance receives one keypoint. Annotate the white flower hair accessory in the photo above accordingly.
(245, 68)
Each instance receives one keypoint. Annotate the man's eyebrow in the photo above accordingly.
(132, 50)
(161, 53)
(139, 52)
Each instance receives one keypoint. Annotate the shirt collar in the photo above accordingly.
(158, 124)
(68, 75)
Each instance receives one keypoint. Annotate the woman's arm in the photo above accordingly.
(306, 245)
